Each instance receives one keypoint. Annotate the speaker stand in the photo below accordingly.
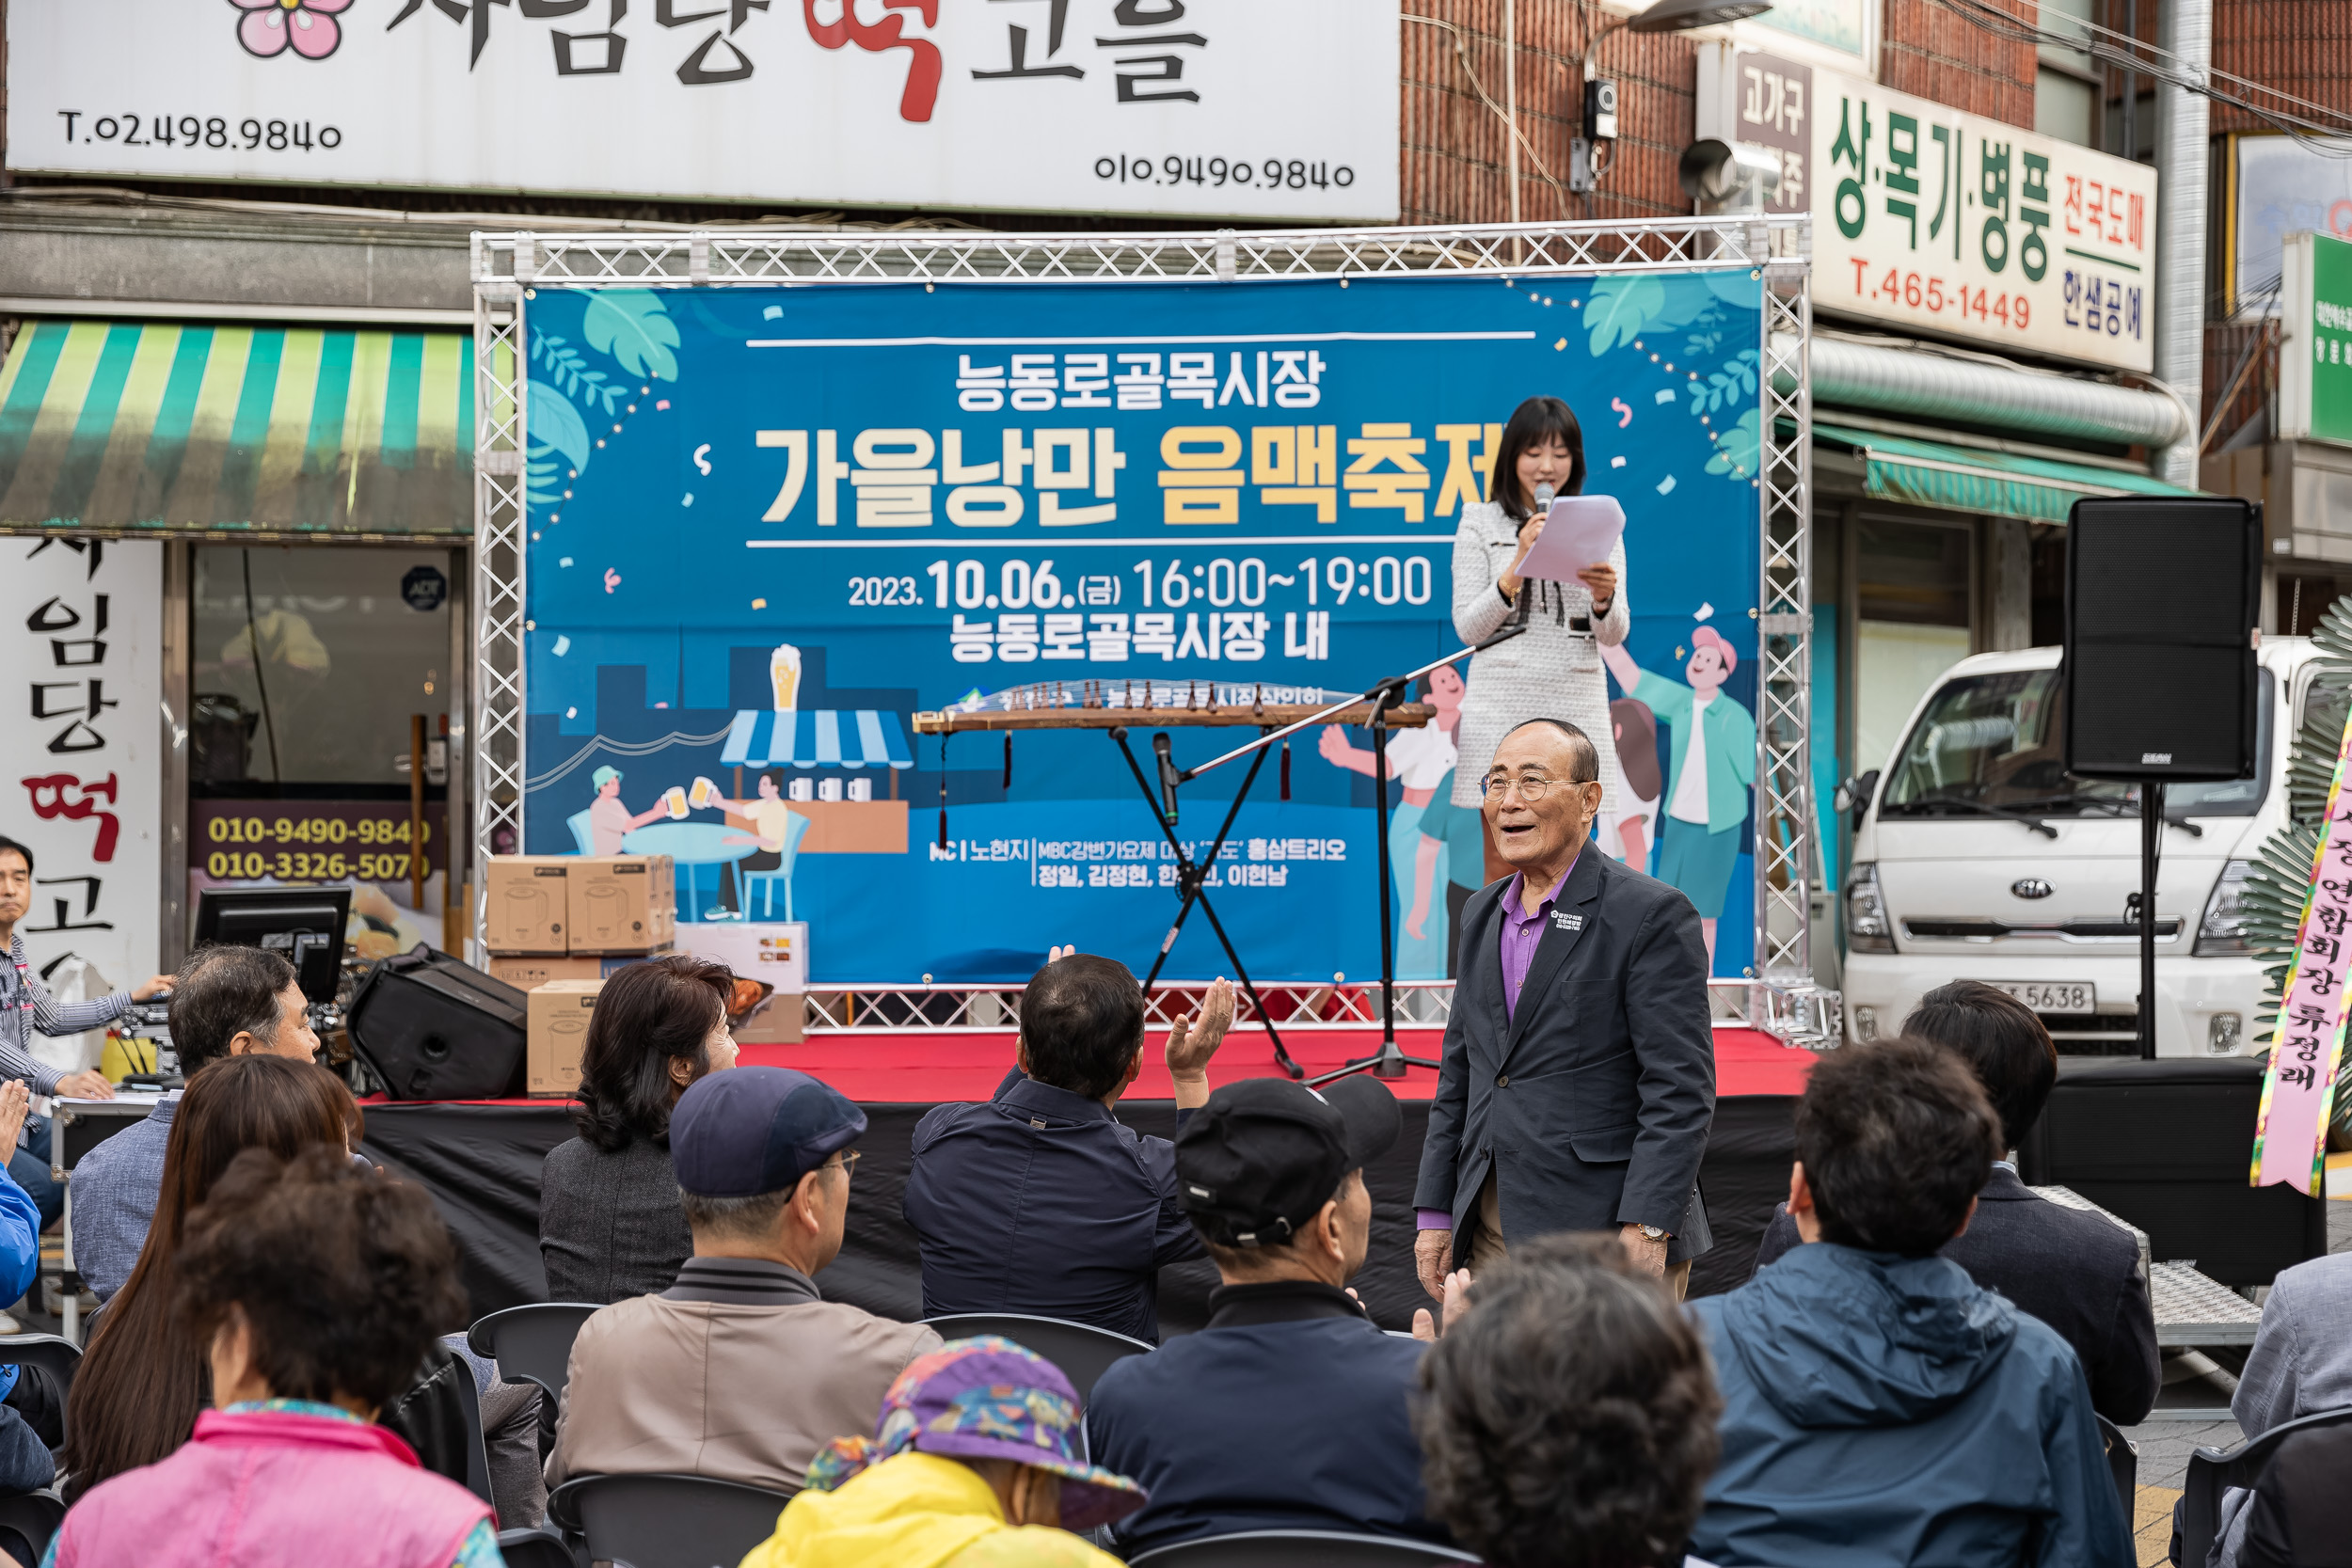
(2150, 843)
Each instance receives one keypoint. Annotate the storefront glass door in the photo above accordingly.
(1914, 582)
(309, 664)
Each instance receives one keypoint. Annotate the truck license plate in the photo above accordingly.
(2052, 996)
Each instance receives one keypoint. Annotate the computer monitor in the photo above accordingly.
(306, 923)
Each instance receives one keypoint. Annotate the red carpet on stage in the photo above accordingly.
(917, 1068)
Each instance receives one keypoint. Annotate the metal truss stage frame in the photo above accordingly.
(1781, 995)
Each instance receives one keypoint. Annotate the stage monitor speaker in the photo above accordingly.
(432, 1028)
(2164, 1145)
(2162, 594)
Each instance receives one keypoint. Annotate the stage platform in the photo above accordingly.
(480, 1160)
(926, 1067)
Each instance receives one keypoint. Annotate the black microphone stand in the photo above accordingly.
(1389, 1061)
(1192, 876)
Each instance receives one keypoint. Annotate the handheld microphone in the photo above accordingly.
(1544, 494)
(1168, 775)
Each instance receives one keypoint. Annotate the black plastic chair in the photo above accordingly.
(1299, 1548)
(532, 1343)
(1082, 1351)
(536, 1548)
(477, 1448)
(57, 1356)
(2123, 1465)
(662, 1521)
(27, 1522)
(2213, 1471)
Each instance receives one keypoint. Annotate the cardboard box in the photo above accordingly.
(782, 1020)
(556, 1024)
(529, 898)
(622, 903)
(775, 952)
(527, 972)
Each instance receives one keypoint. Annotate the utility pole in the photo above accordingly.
(2185, 32)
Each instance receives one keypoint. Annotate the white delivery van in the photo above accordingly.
(1976, 857)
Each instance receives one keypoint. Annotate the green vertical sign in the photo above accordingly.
(2331, 340)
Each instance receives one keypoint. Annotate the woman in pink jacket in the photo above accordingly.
(318, 1287)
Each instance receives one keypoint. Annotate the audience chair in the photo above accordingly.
(2212, 1471)
(659, 1521)
(26, 1523)
(536, 1548)
(477, 1448)
(2123, 1465)
(1082, 1351)
(57, 1356)
(1299, 1548)
(532, 1343)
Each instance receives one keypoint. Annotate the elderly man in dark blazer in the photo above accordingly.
(1579, 1074)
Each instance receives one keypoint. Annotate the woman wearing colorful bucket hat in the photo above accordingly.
(975, 1461)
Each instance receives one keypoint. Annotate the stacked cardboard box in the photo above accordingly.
(777, 953)
(557, 1017)
(558, 923)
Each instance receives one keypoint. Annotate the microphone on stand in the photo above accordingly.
(1168, 780)
(1544, 494)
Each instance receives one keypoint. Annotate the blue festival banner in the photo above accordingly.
(768, 526)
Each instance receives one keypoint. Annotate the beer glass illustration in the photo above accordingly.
(676, 799)
(701, 794)
(784, 674)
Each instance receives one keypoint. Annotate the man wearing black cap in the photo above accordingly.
(740, 1371)
(1290, 1410)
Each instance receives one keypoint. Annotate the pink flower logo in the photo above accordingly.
(269, 25)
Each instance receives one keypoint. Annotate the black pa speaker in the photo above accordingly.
(433, 1028)
(2162, 596)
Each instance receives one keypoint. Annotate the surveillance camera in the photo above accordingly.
(1719, 174)
(1600, 110)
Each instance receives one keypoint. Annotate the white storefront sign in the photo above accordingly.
(81, 777)
(1948, 223)
(2286, 186)
(1199, 108)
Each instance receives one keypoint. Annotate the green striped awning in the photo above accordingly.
(270, 432)
(1967, 479)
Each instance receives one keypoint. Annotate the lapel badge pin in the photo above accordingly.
(1567, 922)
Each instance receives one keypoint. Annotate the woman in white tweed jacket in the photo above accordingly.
(1554, 669)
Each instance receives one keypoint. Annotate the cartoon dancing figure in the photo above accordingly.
(1714, 764)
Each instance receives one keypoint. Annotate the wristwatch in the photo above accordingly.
(1654, 1233)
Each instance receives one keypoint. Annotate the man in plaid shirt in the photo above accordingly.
(26, 1005)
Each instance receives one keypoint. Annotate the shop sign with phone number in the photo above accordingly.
(1957, 225)
(308, 841)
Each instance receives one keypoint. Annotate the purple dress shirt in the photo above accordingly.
(1522, 933)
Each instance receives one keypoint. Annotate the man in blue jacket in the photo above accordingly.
(1042, 1200)
(1879, 1405)
(1291, 1409)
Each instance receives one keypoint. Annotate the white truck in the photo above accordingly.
(1976, 857)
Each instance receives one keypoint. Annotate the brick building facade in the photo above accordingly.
(1455, 167)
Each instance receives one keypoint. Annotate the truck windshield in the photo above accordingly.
(1990, 746)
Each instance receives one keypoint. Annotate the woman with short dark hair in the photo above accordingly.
(609, 1226)
(1568, 1419)
(137, 1392)
(315, 1289)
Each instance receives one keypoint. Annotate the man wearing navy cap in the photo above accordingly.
(1290, 1409)
(740, 1371)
